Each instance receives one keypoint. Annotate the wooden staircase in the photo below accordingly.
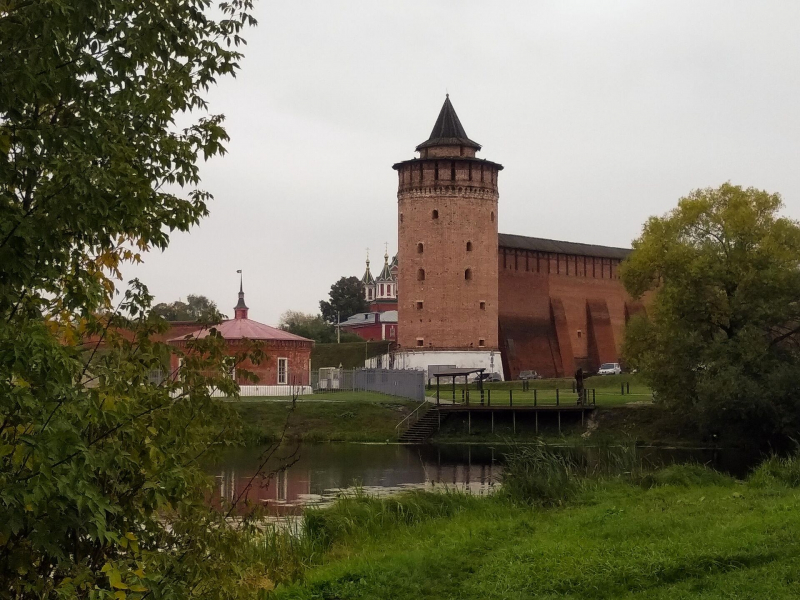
(424, 428)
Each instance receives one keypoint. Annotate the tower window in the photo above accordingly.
(436, 171)
(492, 217)
(453, 170)
(401, 217)
(483, 307)
(419, 305)
(469, 246)
(436, 214)
(420, 342)
(468, 274)
(481, 343)
(381, 289)
(420, 248)
(421, 275)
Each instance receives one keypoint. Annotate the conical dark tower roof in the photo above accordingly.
(448, 130)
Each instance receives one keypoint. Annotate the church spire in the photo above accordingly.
(448, 130)
(240, 310)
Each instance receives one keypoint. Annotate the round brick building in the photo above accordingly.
(447, 246)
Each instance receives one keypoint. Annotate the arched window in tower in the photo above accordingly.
(436, 214)
(469, 246)
(492, 216)
(468, 274)
(421, 275)
(401, 217)
(420, 248)
(453, 170)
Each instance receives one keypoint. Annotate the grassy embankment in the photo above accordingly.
(552, 532)
(372, 417)
(330, 417)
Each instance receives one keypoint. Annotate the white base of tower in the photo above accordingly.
(422, 360)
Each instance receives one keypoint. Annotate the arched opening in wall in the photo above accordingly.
(468, 274)
(436, 214)
(453, 170)
(401, 217)
(483, 305)
(492, 216)
(420, 248)
(421, 275)
(469, 246)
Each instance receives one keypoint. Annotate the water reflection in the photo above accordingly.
(318, 473)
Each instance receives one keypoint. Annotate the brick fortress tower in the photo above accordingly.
(447, 251)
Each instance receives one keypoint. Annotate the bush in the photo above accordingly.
(361, 514)
(778, 470)
(536, 475)
(685, 476)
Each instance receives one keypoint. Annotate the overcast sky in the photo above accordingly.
(602, 112)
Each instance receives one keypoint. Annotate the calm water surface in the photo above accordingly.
(318, 473)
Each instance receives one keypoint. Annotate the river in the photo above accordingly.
(316, 474)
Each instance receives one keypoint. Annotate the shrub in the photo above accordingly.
(779, 470)
(360, 514)
(685, 476)
(536, 475)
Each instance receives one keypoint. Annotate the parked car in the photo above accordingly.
(609, 369)
(523, 375)
(490, 377)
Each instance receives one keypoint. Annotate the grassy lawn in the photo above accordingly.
(341, 417)
(708, 538)
(606, 391)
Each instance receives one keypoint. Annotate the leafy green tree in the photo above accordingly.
(313, 327)
(346, 298)
(101, 492)
(720, 344)
(196, 308)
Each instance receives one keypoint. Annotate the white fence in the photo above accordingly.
(268, 390)
(402, 383)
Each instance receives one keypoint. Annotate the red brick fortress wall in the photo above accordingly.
(447, 228)
(558, 312)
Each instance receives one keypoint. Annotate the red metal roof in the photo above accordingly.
(239, 329)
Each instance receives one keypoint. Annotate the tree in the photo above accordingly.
(196, 308)
(313, 327)
(720, 344)
(101, 492)
(346, 299)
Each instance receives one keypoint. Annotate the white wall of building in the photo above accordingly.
(422, 359)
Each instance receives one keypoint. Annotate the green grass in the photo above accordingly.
(607, 391)
(689, 533)
(361, 418)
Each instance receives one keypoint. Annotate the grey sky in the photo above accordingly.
(603, 113)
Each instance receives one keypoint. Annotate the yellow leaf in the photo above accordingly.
(120, 595)
(138, 588)
(130, 536)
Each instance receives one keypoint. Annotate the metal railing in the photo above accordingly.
(412, 418)
(520, 397)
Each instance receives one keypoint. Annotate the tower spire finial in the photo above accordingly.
(240, 310)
